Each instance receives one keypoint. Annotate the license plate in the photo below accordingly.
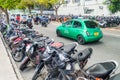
(96, 34)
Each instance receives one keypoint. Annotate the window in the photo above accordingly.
(100, 7)
(66, 1)
(77, 24)
(68, 23)
(87, 10)
(76, 1)
(91, 24)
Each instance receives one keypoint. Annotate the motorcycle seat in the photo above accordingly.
(101, 70)
(44, 38)
(69, 47)
(36, 39)
(83, 55)
(48, 41)
(57, 45)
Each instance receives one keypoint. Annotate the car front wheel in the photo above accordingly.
(80, 40)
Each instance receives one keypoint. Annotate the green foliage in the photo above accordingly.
(21, 6)
(49, 6)
(9, 4)
(56, 2)
(113, 5)
(27, 3)
(43, 2)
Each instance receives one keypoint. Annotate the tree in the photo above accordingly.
(113, 5)
(27, 3)
(21, 6)
(56, 4)
(42, 4)
(6, 5)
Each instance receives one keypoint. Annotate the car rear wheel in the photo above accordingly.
(58, 33)
(80, 40)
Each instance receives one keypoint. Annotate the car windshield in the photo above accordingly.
(91, 24)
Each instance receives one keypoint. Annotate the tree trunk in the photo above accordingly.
(29, 9)
(24, 11)
(0, 13)
(6, 13)
(56, 12)
(7, 16)
(41, 10)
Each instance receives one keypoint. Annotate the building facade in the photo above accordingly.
(84, 7)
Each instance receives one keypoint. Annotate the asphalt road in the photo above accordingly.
(108, 48)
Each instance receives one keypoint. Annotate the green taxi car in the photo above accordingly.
(82, 30)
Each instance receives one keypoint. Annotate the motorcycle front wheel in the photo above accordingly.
(17, 55)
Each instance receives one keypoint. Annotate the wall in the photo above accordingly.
(95, 7)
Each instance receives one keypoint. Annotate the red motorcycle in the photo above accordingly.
(16, 47)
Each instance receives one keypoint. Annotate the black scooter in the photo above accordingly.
(100, 71)
(44, 23)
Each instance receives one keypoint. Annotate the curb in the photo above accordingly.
(14, 66)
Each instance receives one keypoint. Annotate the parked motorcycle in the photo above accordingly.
(82, 59)
(99, 71)
(44, 23)
(32, 52)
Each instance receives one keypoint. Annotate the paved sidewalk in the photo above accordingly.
(6, 69)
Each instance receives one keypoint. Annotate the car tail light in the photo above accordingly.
(88, 34)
